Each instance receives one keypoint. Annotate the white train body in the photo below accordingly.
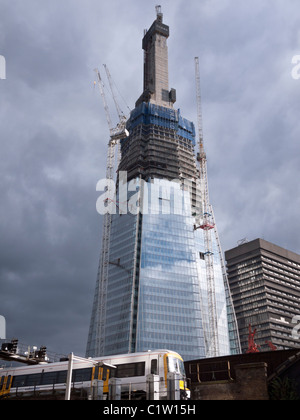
(131, 371)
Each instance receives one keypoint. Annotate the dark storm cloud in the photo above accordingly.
(54, 134)
(49, 228)
(250, 120)
(35, 37)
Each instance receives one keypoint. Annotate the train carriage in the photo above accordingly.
(131, 370)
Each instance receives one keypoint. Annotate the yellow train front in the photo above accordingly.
(131, 371)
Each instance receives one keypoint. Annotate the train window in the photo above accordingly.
(176, 365)
(105, 373)
(101, 373)
(82, 375)
(1, 382)
(49, 378)
(129, 370)
(154, 367)
(34, 380)
(62, 376)
(18, 381)
(8, 382)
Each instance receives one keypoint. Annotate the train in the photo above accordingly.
(130, 369)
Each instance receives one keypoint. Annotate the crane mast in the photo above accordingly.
(116, 134)
(207, 224)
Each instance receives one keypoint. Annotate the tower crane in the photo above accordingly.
(116, 134)
(120, 131)
(205, 222)
(122, 117)
(208, 224)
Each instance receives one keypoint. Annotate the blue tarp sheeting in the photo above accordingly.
(147, 113)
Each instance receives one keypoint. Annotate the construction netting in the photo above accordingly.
(148, 113)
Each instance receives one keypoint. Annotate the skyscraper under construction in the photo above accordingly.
(161, 281)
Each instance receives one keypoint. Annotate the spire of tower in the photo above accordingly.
(159, 14)
(156, 67)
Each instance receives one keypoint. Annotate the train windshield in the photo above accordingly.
(176, 365)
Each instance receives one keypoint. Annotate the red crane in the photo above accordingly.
(252, 346)
(271, 345)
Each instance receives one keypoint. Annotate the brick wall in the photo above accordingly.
(250, 384)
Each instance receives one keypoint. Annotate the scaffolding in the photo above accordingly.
(148, 113)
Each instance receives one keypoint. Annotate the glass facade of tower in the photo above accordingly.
(153, 295)
(121, 288)
(157, 291)
(169, 314)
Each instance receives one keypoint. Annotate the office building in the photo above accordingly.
(265, 287)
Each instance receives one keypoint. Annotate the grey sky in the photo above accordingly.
(54, 133)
